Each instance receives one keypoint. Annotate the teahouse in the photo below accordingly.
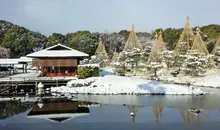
(58, 60)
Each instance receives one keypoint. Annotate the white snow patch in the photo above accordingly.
(208, 81)
(112, 84)
(90, 65)
(81, 82)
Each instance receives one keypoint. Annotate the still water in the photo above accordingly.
(113, 112)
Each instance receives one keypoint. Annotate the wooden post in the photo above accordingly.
(26, 68)
(13, 69)
(23, 67)
(16, 89)
(36, 88)
(10, 70)
(50, 70)
(57, 83)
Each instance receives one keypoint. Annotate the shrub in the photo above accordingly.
(85, 71)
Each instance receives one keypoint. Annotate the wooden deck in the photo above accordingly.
(28, 82)
(30, 77)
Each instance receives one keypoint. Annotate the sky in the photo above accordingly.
(64, 16)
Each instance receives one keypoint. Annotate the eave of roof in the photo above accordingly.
(57, 53)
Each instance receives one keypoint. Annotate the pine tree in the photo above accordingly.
(196, 63)
(186, 39)
(131, 53)
(132, 41)
(115, 59)
(216, 52)
(198, 43)
(101, 56)
(101, 51)
(157, 50)
(155, 59)
(183, 45)
(168, 58)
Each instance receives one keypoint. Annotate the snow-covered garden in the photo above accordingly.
(180, 71)
(112, 84)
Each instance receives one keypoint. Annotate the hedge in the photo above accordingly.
(88, 71)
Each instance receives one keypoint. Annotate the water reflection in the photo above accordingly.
(133, 111)
(92, 108)
(158, 112)
(11, 108)
(194, 115)
(58, 109)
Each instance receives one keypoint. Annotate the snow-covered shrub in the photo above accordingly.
(98, 59)
(153, 67)
(132, 58)
(84, 61)
(85, 71)
(216, 56)
(121, 72)
(145, 53)
(196, 64)
(168, 58)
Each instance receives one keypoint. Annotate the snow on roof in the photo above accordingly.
(25, 59)
(8, 61)
(58, 50)
(89, 65)
(15, 60)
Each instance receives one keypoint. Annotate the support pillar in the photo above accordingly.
(57, 83)
(23, 68)
(36, 88)
(10, 70)
(16, 89)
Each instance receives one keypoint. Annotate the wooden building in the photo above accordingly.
(58, 60)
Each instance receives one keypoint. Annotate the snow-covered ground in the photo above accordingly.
(112, 84)
(208, 81)
(212, 79)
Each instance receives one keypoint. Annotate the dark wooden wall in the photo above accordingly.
(54, 62)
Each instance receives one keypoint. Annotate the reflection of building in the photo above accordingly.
(58, 60)
(58, 110)
(194, 115)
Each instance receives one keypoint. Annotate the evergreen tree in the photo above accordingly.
(196, 63)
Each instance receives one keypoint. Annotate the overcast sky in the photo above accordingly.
(63, 16)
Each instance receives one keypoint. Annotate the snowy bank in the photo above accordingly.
(112, 84)
(210, 80)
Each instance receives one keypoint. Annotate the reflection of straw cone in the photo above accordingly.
(100, 105)
(157, 112)
(133, 110)
(161, 111)
(194, 115)
(132, 116)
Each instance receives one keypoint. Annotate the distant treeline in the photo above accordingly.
(20, 41)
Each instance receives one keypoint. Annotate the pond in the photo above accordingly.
(112, 112)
